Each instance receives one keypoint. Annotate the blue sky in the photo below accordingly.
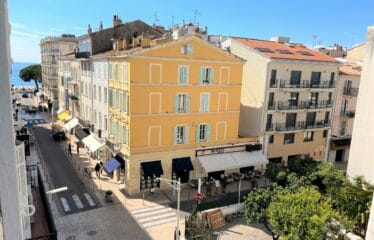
(331, 21)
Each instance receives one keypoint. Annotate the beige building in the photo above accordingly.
(356, 54)
(344, 112)
(52, 48)
(287, 96)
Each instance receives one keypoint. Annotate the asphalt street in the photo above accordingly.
(77, 198)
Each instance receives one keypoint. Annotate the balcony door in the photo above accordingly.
(315, 79)
(295, 77)
(290, 120)
(313, 100)
(269, 121)
(294, 98)
(310, 119)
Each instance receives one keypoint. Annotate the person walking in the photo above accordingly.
(97, 169)
(69, 149)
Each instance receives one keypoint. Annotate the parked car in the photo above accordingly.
(58, 135)
(31, 109)
(25, 95)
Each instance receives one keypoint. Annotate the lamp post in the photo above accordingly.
(178, 189)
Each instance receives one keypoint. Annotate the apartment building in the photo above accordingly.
(344, 112)
(287, 96)
(14, 208)
(52, 48)
(174, 111)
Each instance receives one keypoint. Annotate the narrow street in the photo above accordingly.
(77, 198)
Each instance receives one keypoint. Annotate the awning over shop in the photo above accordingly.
(82, 133)
(182, 164)
(233, 160)
(71, 124)
(152, 168)
(63, 116)
(111, 165)
(92, 143)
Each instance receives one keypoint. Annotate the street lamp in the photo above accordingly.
(178, 189)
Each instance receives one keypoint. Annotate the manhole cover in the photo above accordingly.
(70, 238)
(91, 233)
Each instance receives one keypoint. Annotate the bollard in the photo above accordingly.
(143, 199)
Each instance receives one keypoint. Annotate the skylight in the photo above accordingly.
(264, 50)
(305, 53)
(283, 51)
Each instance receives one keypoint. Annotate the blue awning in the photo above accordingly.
(152, 168)
(111, 165)
(183, 164)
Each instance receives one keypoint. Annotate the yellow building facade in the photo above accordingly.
(169, 100)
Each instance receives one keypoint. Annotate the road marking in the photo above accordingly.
(152, 212)
(89, 199)
(77, 201)
(170, 214)
(147, 209)
(65, 204)
(165, 220)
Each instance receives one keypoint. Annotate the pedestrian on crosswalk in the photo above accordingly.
(69, 149)
(97, 169)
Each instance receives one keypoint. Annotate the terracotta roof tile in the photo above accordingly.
(348, 69)
(294, 51)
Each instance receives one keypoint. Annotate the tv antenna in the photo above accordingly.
(195, 15)
(314, 39)
(157, 20)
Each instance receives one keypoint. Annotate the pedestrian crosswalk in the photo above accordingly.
(76, 202)
(152, 216)
(35, 121)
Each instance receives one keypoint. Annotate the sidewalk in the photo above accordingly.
(156, 214)
(139, 208)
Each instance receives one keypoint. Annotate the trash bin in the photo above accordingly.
(109, 196)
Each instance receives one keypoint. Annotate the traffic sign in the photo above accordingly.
(198, 196)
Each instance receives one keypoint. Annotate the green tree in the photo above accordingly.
(354, 199)
(32, 72)
(302, 166)
(328, 179)
(255, 206)
(277, 173)
(301, 215)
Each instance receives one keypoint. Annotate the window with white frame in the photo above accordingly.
(180, 135)
(99, 93)
(203, 133)
(206, 75)
(204, 102)
(94, 92)
(116, 71)
(182, 102)
(105, 123)
(308, 136)
(110, 71)
(125, 72)
(100, 121)
(183, 74)
(187, 49)
(105, 95)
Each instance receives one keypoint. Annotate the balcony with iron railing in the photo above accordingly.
(302, 125)
(307, 84)
(350, 92)
(298, 105)
(348, 114)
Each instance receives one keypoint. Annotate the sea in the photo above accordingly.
(15, 79)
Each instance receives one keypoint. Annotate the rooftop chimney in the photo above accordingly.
(116, 20)
(89, 29)
(101, 26)
(280, 39)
